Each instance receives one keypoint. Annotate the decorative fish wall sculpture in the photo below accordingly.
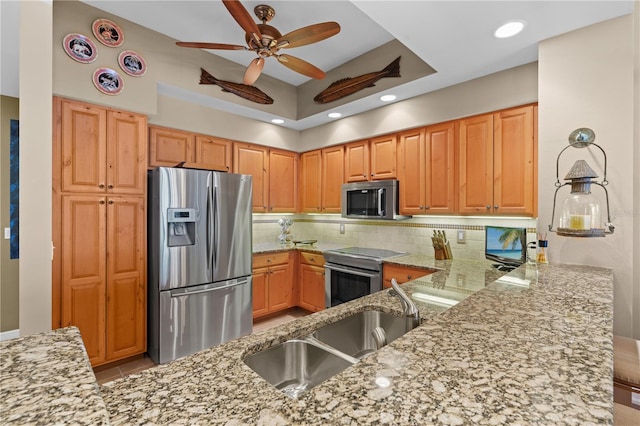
(348, 86)
(250, 93)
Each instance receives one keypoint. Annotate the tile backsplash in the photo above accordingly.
(411, 235)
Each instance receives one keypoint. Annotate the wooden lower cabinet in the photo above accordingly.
(103, 273)
(311, 282)
(273, 288)
(402, 274)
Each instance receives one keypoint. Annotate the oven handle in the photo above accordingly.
(358, 272)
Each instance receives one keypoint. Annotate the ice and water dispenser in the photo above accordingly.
(182, 227)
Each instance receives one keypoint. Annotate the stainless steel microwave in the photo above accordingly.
(371, 200)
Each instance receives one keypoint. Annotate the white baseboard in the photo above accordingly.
(11, 334)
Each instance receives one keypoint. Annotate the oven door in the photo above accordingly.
(344, 283)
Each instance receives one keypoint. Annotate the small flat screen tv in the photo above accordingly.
(507, 246)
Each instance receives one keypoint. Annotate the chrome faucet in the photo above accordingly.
(411, 313)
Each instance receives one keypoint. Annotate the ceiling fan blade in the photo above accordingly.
(242, 17)
(253, 71)
(217, 46)
(308, 35)
(300, 66)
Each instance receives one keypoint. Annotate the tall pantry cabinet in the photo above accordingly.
(99, 227)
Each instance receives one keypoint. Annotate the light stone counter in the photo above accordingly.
(47, 379)
(533, 347)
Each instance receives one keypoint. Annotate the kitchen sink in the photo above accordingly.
(362, 333)
(296, 366)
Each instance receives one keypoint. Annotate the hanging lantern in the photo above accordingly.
(580, 215)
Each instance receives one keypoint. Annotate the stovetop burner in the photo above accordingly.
(360, 257)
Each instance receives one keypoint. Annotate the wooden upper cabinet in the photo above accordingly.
(383, 157)
(411, 172)
(126, 153)
(332, 178)
(356, 161)
(253, 160)
(440, 168)
(475, 165)
(311, 181)
(513, 166)
(283, 187)
(83, 154)
(213, 153)
(170, 147)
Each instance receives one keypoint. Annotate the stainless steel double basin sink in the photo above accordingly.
(298, 365)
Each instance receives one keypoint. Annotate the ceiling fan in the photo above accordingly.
(266, 40)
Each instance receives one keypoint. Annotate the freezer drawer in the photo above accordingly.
(200, 317)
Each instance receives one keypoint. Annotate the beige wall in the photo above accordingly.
(586, 80)
(8, 267)
(636, 169)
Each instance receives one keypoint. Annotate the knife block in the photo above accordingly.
(439, 253)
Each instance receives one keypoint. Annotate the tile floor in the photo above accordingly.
(111, 372)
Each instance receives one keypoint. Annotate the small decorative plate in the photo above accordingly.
(132, 63)
(107, 32)
(108, 81)
(80, 48)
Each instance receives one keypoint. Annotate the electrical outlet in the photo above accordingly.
(461, 236)
(342, 228)
(7, 233)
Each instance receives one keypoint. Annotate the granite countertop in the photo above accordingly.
(46, 378)
(530, 347)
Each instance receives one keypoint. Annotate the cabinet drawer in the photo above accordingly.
(268, 259)
(316, 259)
(402, 274)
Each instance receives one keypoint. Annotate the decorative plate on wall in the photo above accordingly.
(132, 63)
(80, 48)
(107, 32)
(108, 81)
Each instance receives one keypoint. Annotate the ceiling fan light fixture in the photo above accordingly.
(509, 29)
(388, 98)
(277, 121)
(334, 115)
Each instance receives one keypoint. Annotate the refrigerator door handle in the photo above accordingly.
(215, 227)
(209, 234)
(180, 293)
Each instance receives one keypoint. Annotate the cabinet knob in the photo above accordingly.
(110, 202)
(372, 175)
(408, 277)
(364, 176)
(488, 207)
(268, 260)
(312, 259)
(426, 207)
(110, 186)
(101, 202)
(101, 186)
(421, 207)
(496, 207)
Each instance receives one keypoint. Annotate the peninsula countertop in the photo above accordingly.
(533, 346)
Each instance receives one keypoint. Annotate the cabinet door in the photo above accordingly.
(356, 161)
(311, 181)
(440, 169)
(411, 159)
(84, 270)
(126, 275)
(383, 157)
(402, 274)
(280, 288)
(168, 147)
(475, 165)
(260, 300)
(513, 167)
(83, 149)
(252, 160)
(332, 178)
(283, 186)
(213, 153)
(126, 153)
(311, 288)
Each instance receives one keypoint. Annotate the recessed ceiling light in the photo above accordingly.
(334, 114)
(277, 121)
(509, 29)
(388, 98)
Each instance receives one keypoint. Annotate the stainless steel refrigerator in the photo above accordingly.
(199, 249)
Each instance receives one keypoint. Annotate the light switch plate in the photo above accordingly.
(7, 233)
(461, 236)
(342, 228)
